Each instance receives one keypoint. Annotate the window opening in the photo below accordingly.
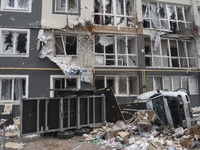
(66, 45)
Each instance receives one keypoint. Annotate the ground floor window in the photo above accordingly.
(121, 85)
(13, 88)
(189, 83)
(62, 82)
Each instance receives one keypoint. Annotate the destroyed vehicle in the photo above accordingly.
(172, 107)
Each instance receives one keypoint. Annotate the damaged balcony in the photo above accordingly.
(166, 17)
(115, 15)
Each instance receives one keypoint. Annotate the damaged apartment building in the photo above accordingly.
(133, 46)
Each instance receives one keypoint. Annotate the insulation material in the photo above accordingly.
(70, 65)
(155, 36)
(86, 75)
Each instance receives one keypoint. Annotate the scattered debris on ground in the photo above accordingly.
(143, 131)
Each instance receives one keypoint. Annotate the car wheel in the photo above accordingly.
(65, 135)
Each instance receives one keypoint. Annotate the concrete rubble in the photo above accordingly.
(144, 134)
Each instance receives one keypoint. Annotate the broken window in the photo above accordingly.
(174, 53)
(111, 50)
(67, 6)
(114, 12)
(121, 85)
(172, 83)
(14, 42)
(165, 16)
(19, 5)
(65, 45)
(65, 83)
(13, 88)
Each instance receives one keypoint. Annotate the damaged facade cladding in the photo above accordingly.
(71, 52)
(133, 46)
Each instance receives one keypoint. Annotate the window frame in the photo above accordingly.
(12, 77)
(64, 43)
(53, 77)
(116, 84)
(152, 56)
(114, 15)
(60, 12)
(14, 54)
(3, 7)
(167, 19)
(173, 83)
(105, 55)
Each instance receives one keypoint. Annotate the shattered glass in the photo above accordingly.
(21, 43)
(98, 6)
(72, 6)
(119, 7)
(8, 43)
(171, 10)
(129, 7)
(145, 10)
(179, 13)
(162, 11)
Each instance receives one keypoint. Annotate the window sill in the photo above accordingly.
(16, 10)
(3, 102)
(14, 55)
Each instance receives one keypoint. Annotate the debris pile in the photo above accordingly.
(144, 132)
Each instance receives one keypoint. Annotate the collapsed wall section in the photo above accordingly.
(72, 52)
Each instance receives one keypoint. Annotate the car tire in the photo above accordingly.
(65, 135)
(80, 132)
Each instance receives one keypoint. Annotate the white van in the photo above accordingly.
(172, 107)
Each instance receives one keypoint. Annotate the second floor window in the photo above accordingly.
(67, 6)
(114, 12)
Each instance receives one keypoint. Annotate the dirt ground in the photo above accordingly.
(48, 142)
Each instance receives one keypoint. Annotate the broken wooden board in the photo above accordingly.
(13, 145)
